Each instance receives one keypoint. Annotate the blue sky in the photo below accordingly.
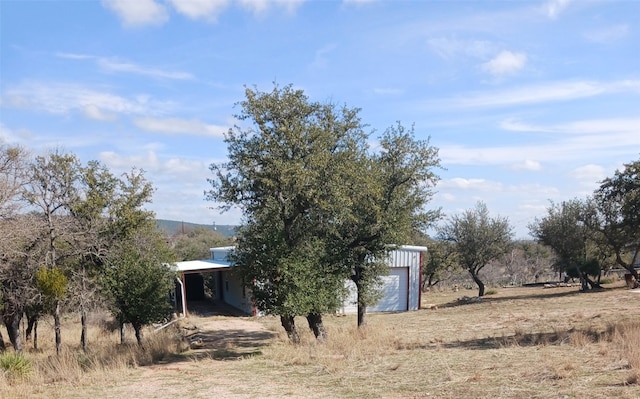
(528, 101)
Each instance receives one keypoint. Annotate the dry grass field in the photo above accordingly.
(518, 343)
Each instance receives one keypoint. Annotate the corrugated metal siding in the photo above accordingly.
(411, 259)
(408, 257)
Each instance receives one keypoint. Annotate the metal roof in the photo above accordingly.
(194, 266)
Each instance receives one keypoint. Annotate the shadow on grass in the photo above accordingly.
(465, 300)
(227, 344)
(559, 337)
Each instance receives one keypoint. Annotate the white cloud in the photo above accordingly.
(118, 66)
(528, 164)
(587, 126)
(553, 8)
(139, 12)
(200, 9)
(114, 65)
(261, 7)
(546, 92)
(10, 136)
(177, 126)
(148, 161)
(470, 184)
(449, 48)
(571, 141)
(321, 56)
(608, 34)
(387, 91)
(358, 2)
(93, 112)
(64, 98)
(589, 174)
(505, 63)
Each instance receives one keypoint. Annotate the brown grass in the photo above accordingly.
(519, 343)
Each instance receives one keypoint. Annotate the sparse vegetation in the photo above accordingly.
(15, 365)
(519, 343)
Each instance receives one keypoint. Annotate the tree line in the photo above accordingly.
(323, 200)
(578, 239)
(592, 235)
(74, 237)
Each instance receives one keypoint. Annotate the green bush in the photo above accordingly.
(607, 280)
(15, 365)
(491, 292)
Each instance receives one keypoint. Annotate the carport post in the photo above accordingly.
(183, 294)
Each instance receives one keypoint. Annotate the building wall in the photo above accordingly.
(235, 294)
(404, 258)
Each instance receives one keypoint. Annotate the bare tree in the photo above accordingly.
(51, 191)
(16, 237)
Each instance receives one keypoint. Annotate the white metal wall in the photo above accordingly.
(401, 287)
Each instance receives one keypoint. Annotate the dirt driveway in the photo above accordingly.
(224, 337)
(205, 371)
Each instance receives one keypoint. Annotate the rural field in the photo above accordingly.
(517, 343)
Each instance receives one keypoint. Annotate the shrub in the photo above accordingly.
(491, 292)
(607, 280)
(15, 365)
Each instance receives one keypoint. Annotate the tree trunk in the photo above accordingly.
(316, 325)
(583, 278)
(33, 315)
(138, 329)
(35, 333)
(289, 324)
(56, 327)
(32, 323)
(83, 322)
(479, 283)
(362, 307)
(12, 322)
(122, 333)
(83, 311)
(2, 345)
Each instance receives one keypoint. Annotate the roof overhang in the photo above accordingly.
(199, 266)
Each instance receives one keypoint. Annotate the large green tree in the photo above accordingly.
(478, 239)
(613, 214)
(383, 194)
(281, 173)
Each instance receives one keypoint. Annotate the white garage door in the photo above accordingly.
(395, 291)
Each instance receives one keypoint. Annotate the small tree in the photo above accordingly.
(138, 281)
(439, 264)
(52, 189)
(478, 239)
(564, 232)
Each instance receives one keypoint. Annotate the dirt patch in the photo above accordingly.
(222, 337)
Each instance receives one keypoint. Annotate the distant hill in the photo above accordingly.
(174, 226)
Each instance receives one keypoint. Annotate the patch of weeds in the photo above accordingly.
(15, 365)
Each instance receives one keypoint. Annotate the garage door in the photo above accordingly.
(395, 291)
